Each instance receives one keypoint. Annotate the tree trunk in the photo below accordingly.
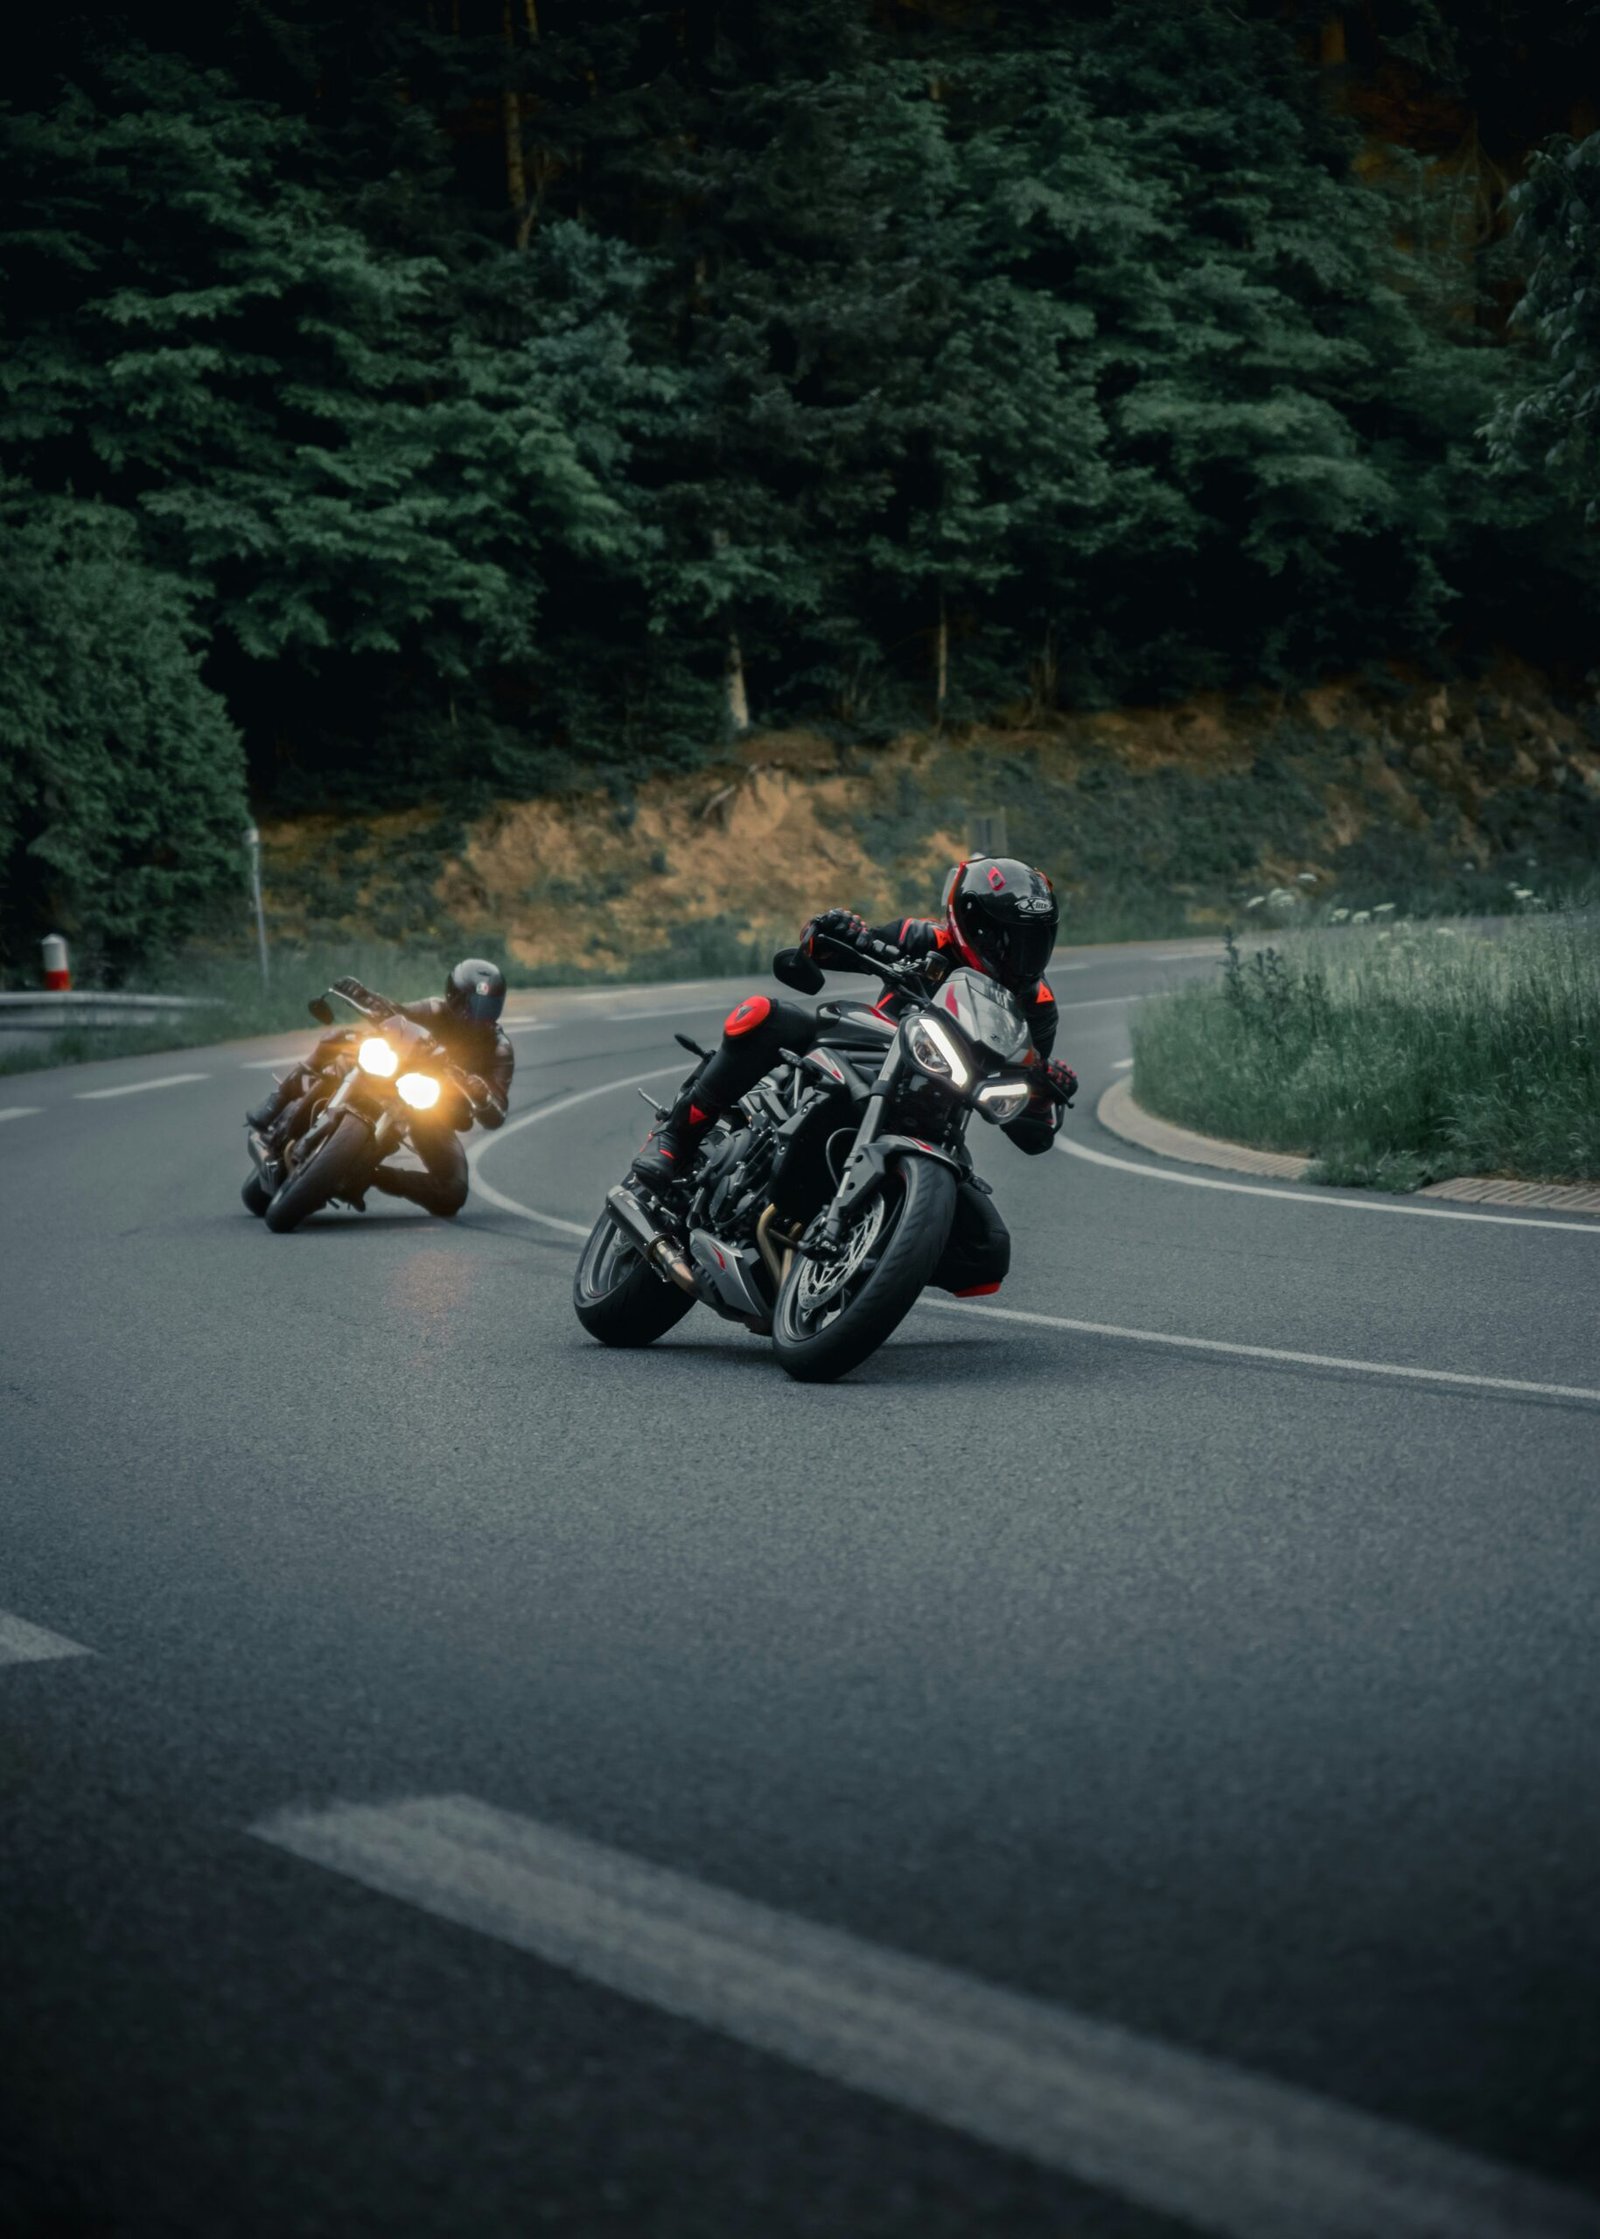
(511, 104)
(941, 663)
(1333, 51)
(738, 699)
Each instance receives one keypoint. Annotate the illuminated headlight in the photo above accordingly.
(1003, 1101)
(376, 1056)
(936, 1050)
(419, 1090)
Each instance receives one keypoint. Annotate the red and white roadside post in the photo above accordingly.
(57, 971)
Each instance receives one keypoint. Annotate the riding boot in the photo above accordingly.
(670, 1146)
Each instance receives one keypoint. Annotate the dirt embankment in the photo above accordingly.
(1149, 819)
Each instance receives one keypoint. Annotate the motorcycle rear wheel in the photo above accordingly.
(327, 1173)
(617, 1297)
(818, 1345)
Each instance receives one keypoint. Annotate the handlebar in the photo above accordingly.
(805, 974)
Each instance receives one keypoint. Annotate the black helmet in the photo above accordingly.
(1002, 919)
(476, 990)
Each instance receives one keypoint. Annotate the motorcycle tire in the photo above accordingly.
(327, 1173)
(617, 1297)
(919, 1200)
(255, 1195)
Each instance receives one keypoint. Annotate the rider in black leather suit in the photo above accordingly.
(463, 1022)
(1001, 919)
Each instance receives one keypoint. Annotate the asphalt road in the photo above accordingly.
(1060, 1781)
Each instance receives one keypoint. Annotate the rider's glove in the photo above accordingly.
(837, 925)
(477, 1090)
(1061, 1078)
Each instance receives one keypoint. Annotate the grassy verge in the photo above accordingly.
(238, 1005)
(1394, 1056)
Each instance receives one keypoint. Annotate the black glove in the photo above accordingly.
(1063, 1080)
(835, 925)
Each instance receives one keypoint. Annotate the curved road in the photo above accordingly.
(1120, 1765)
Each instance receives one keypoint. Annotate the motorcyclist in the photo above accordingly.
(1000, 918)
(464, 1022)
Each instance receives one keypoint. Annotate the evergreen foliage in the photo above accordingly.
(122, 804)
(1557, 422)
(477, 377)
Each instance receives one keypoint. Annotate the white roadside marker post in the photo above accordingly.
(56, 971)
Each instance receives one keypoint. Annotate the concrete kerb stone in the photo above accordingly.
(1120, 1115)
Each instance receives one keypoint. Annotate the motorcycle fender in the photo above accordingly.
(867, 1164)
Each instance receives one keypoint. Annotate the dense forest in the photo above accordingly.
(407, 398)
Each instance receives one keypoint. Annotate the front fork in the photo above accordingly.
(868, 1162)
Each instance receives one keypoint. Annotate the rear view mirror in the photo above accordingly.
(321, 1010)
(798, 971)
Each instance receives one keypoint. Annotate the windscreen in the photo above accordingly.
(986, 1014)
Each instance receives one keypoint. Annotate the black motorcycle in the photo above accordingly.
(358, 1116)
(821, 1206)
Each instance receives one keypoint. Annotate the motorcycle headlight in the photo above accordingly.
(936, 1050)
(376, 1056)
(419, 1090)
(1003, 1101)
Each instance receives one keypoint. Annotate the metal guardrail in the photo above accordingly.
(28, 1016)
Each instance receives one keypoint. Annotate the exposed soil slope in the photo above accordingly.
(1151, 820)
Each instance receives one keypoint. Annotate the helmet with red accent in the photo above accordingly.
(1002, 919)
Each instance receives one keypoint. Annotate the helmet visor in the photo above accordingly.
(1013, 951)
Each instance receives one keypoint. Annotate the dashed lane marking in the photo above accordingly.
(479, 1150)
(1237, 2155)
(1123, 1065)
(1180, 1343)
(138, 1088)
(22, 1643)
(21, 1111)
(1281, 1195)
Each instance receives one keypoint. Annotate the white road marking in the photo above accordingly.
(1172, 1338)
(21, 1111)
(138, 1088)
(1282, 1195)
(529, 1025)
(1237, 2155)
(22, 1643)
(666, 1010)
(1102, 1002)
(1123, 1065)
(479, 1150)
(1267, 1352)
(265, 1064)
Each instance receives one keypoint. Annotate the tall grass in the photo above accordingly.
(236, 1004)
(1393, 1056)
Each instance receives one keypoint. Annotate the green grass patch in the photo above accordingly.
(1394, 1056)
(238, 1005)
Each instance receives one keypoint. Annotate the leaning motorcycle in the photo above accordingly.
(394, 1072)
(820, 1207)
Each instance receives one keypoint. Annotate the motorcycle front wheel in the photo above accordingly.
(831, 1316)
(617, 1297)
(327, 1173)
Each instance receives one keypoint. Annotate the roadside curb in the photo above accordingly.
(1120, 1115)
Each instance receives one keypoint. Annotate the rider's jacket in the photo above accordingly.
(481, 1048)
(920, 937)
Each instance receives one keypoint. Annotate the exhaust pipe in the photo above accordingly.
(656, 1247)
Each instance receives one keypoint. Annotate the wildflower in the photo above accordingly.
(1283, 897)
(1447, 932)
(1337, 917)
(1524, 893)
(1305, 878)
(1255, 901)
(1382, 909)
(1362, 917)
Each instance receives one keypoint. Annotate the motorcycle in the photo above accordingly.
(357, 1120)
(821, 1206)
